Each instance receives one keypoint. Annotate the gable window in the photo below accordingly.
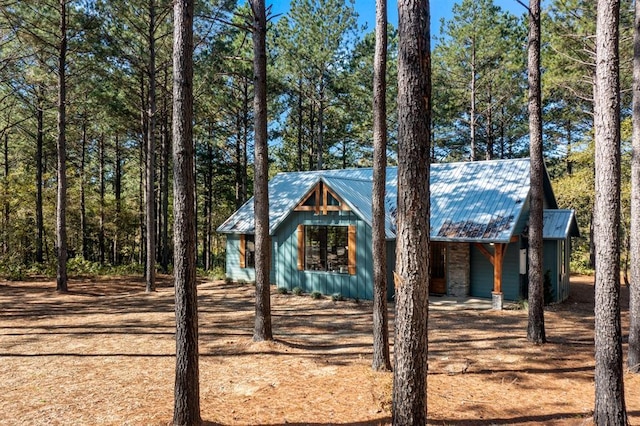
(247, 251)
(327, 248)
(321, 200)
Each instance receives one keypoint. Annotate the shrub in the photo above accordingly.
(316, 295)
(297, 291)
(337, 297)
(283, 290)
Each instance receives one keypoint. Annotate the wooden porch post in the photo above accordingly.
(498, 257)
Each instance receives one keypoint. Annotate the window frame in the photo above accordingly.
(349, 268)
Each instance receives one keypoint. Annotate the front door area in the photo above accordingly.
(438, 263)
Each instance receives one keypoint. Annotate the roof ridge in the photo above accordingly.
(348, 178)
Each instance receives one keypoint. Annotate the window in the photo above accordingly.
(247, 251)
(326, 248)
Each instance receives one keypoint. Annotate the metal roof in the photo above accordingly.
(559, 224)
(470, 201)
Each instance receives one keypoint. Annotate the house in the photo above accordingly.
(320, 228)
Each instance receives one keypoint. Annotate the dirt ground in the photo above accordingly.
(104, 354)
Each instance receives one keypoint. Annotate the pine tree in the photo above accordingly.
(609, 387)
(186, 409)
(412, 268)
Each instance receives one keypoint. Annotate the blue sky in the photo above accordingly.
(439, 9)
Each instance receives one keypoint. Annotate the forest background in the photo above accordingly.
(118, 105)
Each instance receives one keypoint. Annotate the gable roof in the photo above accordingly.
(559, 224)
(470, 201)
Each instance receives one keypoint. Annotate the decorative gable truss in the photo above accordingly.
(321, 199)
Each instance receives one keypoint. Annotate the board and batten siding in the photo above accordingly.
(233, 269)
(482, 272)
(550, 249)
(287, 274)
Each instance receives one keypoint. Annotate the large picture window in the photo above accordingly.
(327, 248)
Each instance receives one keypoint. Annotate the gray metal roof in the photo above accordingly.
(470, 201)
(559, 224)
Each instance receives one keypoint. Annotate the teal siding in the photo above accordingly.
(550, 263)
(233, 270)
(554, 258)
(286, 257)
(482, 273)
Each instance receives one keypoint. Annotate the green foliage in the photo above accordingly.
(337, 297)
(283, 290)
(316, 295)
(480, 56)
(80, 266)
(297, 291)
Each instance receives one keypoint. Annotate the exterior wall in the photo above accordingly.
(286, 257)
(233, 270)
(458, 269)
(551, 264)
(557, 261)
(482, 273)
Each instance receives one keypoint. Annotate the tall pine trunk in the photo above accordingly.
(412, 254)
(262, 328)
(150, 203)
(535, 326)
(609, 387)
(381, 357)
(61, 201)
(117, 189)
(83, 205)
(6, 209)
(166, 157)
(186, 410)
(633, 357)
(101, 236)
(39, 182)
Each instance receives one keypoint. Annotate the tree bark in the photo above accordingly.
(101, 236)
(381, 358)
(141, 188)
(262, 329)
(6, 209)
(83, 209)
(117, 188)
(609, 387)
(472, 108)
(633, 356)
(535, 327)
(320, 153)
(186, 409)
(412, 265)
(150, 203)
(61, 201)
(166, 156)
(300, 133)
(39, 213)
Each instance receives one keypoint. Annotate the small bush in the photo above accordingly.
(283, 290)
(521, 305)
(316, 295)
(337, 297)
(80, 266)
(297, 291)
